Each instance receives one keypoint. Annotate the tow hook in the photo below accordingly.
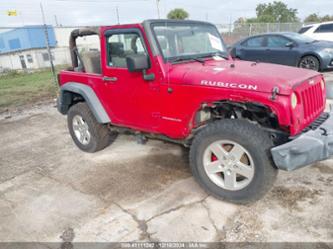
(275, 91)
(324, 131)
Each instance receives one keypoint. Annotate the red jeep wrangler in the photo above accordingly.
(174, 80)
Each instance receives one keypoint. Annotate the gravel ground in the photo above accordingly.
(132, 192)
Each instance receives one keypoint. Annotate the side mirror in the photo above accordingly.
(137, 62)
(290, 44)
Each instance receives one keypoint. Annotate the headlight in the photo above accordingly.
(322, 84)
(293, 100)
(328, 50)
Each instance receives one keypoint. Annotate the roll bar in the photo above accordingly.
(72, 42)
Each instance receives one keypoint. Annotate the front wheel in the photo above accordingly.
(231, 160)
(309, 62)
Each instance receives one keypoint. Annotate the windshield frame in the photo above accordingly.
(187, 57)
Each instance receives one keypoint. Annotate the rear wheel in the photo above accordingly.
(86, 132)
(309, 62)
(231, 160)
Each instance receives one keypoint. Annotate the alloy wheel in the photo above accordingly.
(81, 130)
(228, 164)
(309, 63)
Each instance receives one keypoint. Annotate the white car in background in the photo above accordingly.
(319, 31)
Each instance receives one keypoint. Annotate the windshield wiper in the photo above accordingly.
(198, 58)
(221, 54)
(188, 59)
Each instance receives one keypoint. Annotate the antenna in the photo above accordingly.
(158, 8)
(117, 12)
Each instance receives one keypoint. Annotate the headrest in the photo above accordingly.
(91, 61)
(117, 48)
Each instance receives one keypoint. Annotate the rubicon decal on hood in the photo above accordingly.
(228, 85)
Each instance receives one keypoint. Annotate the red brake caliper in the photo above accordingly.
(213, 158)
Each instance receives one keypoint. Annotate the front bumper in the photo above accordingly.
(326, 62)
(328, 65)
(309, 147)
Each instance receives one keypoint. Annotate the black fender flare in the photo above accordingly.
(88, 94)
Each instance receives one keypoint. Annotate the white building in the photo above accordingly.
(33, 59)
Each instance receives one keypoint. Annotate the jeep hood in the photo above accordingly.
(242, 75)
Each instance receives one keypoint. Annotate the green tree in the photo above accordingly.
(326, 18)
(275, 12)
(178, 13)
(240, 21)
(316, 18)
(312, 18)
(271, 13)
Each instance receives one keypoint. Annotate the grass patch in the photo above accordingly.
(17, 89)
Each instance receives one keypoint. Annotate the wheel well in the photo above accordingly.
(69, 99)
(74, 92)
(254, 112)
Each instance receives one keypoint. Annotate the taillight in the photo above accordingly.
(58, 78)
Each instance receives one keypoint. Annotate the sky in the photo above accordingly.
(99, 12)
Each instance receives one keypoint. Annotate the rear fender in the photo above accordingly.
(65, 100)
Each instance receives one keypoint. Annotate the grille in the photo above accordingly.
(312, 100)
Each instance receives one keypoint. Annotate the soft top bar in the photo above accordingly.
(72, 41)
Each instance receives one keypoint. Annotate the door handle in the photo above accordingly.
(110, 79)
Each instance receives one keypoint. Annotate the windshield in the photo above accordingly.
(304, 29)
(299, 38)
(188, 40)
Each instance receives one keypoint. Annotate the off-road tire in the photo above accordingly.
(100, 134)
(256, 141)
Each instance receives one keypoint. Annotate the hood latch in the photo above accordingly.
(275, 91)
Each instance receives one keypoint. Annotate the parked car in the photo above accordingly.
(319, 31)
(174, 80)
(286, 48)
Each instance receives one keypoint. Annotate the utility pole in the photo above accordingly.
(21, 16)
(230, 24)
(56, 20)
(158, 8)
(117, 12)
(47, 43)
